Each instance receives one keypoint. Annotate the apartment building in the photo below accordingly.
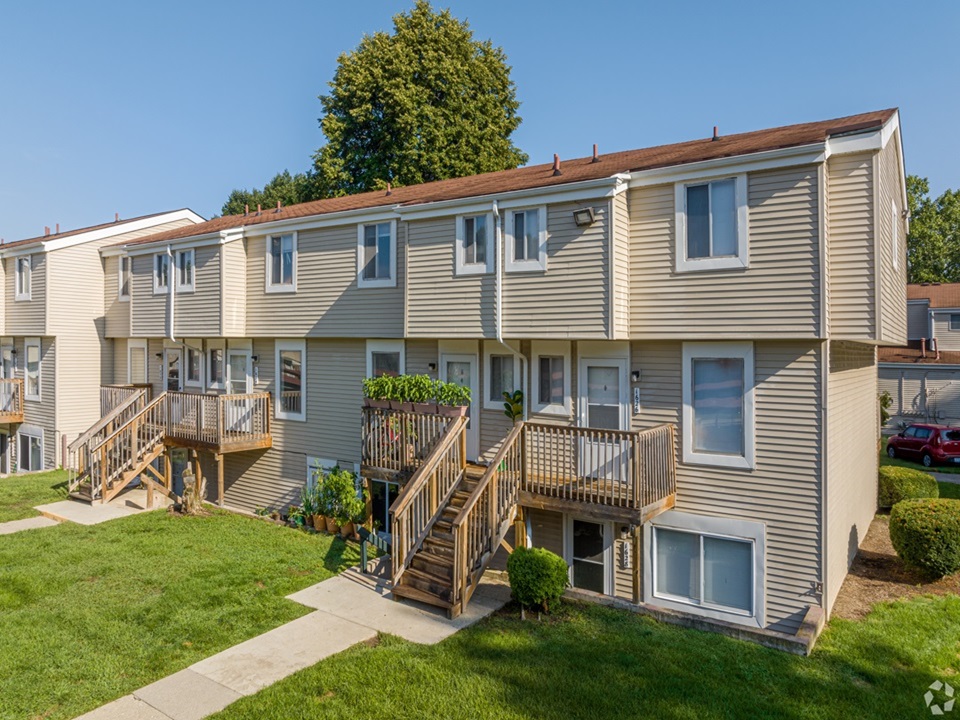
(694, 328)
(923, 377)
(52, 343)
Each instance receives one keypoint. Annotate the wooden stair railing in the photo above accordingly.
(485, 518)
(426, 494)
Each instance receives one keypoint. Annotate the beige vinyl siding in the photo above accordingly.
(117, 312)
(918, 320)
(546, 530)
(419, 355)
(622, 574)
(197, 313)
(6, 298)
(148, 317)
(328, 302)
(42, 413)
(851, 246)
(783, 490)
(777, 296)
(851, 472)
(273, 478)
(947, 339)
(572, 298)
(234, 312)
(893, 280)
(27, 317)
(119, 355)
(439, 302)
(621, 267)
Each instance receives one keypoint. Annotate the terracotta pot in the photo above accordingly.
(425, 408)
(382, 404)
(347, 530)
(332, 526)
(452, 410)
(319, 523)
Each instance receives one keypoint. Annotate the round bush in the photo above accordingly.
(926, 534)
(538, 577)
(900, 483)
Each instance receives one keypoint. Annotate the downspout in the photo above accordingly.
(498, 303)
(170, 275)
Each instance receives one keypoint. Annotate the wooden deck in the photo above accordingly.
(218, 423)
(11, 400)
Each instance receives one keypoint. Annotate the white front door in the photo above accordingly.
(603, 405)
(462, 370)
(239, 410)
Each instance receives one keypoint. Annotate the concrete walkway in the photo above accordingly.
(127, 503)
(348, 609)
(12, 526)
(947, 477)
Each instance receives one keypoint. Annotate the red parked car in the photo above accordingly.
(929, 444)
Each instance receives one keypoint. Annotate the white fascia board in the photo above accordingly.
(783, 157)
(866, 141)
(598, 189)
(313, 222)
(120, 228)
(177, 244)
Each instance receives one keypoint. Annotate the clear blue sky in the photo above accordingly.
(137, 107)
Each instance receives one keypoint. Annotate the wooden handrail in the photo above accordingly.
(16, 396)
(447, 439)
(107, 419)
(505, 447)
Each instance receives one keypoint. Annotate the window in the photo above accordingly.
(501, 374)
(194, 369)
(123, 278)
(31, 389)
(185, 270)
(215, 366)
(23, 278)
(526, 240)
(551, 381)
(161, 273)
(955, 322)
(291, 389)
(136, 361)
(712, 566)
(474, 240)
(718, 404)
(281, 268)
(377, 255)
(711, 221)
(30, 450)
(385, 357)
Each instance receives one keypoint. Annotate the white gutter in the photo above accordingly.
(498, 309)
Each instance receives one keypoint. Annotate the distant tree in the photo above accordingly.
(427, 102)
(288, 189)
(933, 245)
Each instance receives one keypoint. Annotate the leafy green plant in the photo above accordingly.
(513, 405)
(901, 483)
(341, 500)
(372, 388)
(295, 516)
(418, 388)
(538, 577)
(308, 500)
(926, 534)
(448, 393)
(885, 401)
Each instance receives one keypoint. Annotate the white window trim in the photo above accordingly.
(7, 345)
(377, 282)
(190, 286)
(164, 371)
(195, 346)
(210, 383)
(495, 348)
(28, 343)
(386, 346)
(36, 433)
(895, 234)
(120, 260)
(159, 289)
(133, 344)
(708, 350)
(732, 528)
(268, 284)
(463, 267)
(553, 348)
(741, 259)
(295, 345)
(538, 265)
(23, 296)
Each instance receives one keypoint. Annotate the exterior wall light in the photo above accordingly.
(584, 217)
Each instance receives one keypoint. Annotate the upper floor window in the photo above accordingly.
(31, 388)
(711, 222)
(474, 240)
(186, 262)
(23, 278)
(282, 263)
(955, 322)
(718, 404)
(291, 391)
(161, 273)
(526, 240)
(377, 255)
(123, 278)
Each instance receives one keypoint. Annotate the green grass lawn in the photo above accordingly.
(19, 493)
(88, 614)
(593, 662)
(949, 490)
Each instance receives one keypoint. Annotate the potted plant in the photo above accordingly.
(374, 393)
(353, 508)
(308, 505)
(405, 391)
(326, 502)
(513, 405)
(420, 390)
(339, 489)
(453, 399)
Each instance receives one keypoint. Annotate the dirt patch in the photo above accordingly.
(878, 575)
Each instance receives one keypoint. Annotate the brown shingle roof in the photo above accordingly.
(535, 176)
(78, 231)
(940, 295)
(913, 355)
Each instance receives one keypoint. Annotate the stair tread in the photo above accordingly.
(414, 572)
(429, 557)
(413, 593)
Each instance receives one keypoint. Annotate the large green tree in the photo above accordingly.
(426, 102)
(933, 245)
(286, 188)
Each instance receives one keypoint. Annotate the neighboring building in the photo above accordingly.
(53, 349)
(734, 289)
(923, 377)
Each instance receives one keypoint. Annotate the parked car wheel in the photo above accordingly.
(891, 451)
(927, 460)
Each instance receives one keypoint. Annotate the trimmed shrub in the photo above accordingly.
(900, 483)
(926, 534)
(538, 577)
